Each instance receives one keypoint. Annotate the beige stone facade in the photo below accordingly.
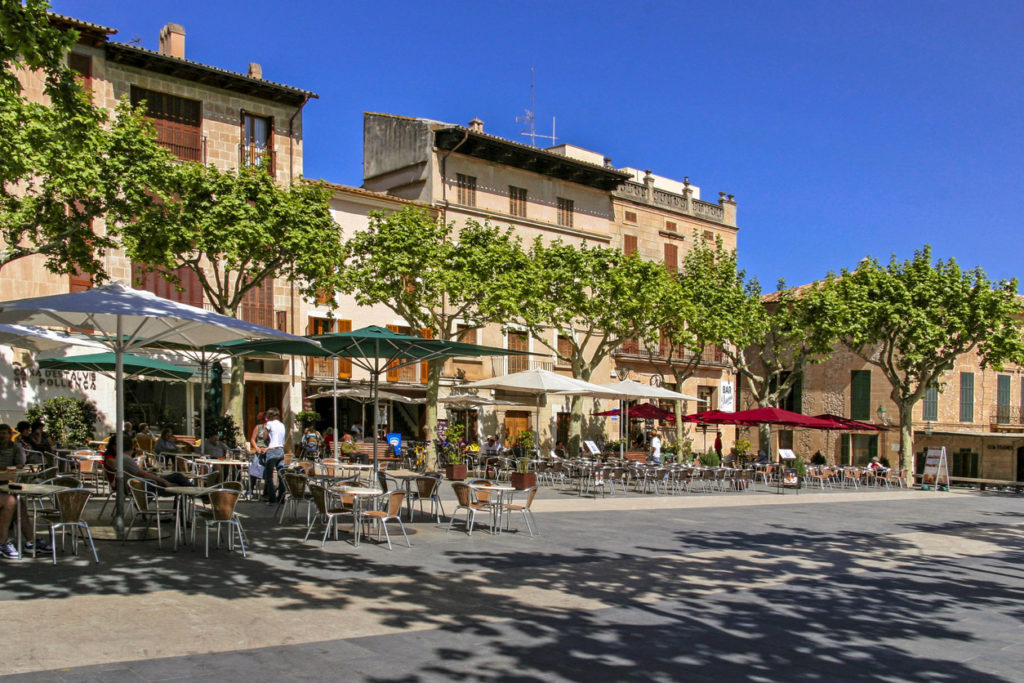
(222, 101)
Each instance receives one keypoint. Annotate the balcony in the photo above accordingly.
(634, 349)
(1006, 418)
(251, 156)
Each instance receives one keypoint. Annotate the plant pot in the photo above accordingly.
(523, 481)
(456, 472)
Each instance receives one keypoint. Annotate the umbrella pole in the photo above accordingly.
(119, 430)
(202, 403)
(626, 411)
(334, 398)
(376, 402)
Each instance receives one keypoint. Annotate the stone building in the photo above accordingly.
(976, 413)
(201, 113)
(562, 192)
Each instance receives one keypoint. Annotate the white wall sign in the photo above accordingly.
(726, 398)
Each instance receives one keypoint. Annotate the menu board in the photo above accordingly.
(936, 468)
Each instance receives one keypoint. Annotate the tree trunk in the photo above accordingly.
(679, 425)
(764, 439)
(430, 419)
(236, 404)
(907, 439)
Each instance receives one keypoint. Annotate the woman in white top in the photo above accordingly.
(655, 446)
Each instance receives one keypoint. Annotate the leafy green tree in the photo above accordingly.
(234, 230)
(69, 421)
(66, 162)
(439, 279)
(690, 314)
(594, 299)
(769, 340)
(912, 319)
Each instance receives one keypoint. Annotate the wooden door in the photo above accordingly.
(515, 421)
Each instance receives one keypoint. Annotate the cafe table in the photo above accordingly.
(228, 463)
(28, 491)
(185, 507)
(497, 510)
(360, 497)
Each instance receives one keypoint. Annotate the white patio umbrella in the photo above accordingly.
(37, 339)
(539, 382)
(124, 319)
(629, 389)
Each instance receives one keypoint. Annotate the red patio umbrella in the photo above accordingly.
(717, 417)
(779, 416)
(848, 424)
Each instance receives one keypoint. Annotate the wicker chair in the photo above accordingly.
(393, 512)
(147, 507)
(325, 509)
(70, 507)
(295, 492)
(464, 495)
(221, 512)
(428, 488)
(531, 493)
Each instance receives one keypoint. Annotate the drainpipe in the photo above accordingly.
(291, 140)
(444, 176)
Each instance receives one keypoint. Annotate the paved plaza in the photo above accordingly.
(891, 585)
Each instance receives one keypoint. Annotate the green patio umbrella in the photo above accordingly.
(374, 349)
(106, 364)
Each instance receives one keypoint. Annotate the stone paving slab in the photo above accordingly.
(892, 585)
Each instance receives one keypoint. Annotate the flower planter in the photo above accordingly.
(456, 472)
(523, 481)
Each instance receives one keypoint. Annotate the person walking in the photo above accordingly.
(655, 446)
(275, 456)
(718, 445)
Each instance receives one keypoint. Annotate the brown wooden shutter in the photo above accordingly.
(425, 367)
(628, 244)
(344, 364)
(392, 375)
(671, 257)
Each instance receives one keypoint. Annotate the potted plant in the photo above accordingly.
(523, 478)
(450, 453)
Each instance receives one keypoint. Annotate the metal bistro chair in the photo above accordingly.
(70, 506)
(428, 488)
(147, 507)
(221, 512)
(325, 509)
(295, 492)
(464, 495)
(393, 512)
(525, 508)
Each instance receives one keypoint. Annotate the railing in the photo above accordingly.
(503, 365)
(682, 203)
(635, 348)
(1008, 415)
(253, 155)
(707, 210)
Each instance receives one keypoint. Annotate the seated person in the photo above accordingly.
(214, 448)
(13, 455)
(329, 441)
(131, 468)
(167, 443)
(24, 439)
(492, 447)
(875, 465)
(762, 458)
(347, 447)
(144, 439)
(311, 441)
(40, 442)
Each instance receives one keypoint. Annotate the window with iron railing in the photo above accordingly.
(517, 201)
(177, 120)
(518, 341)
(1003, 399)
(257, 147)
(186, 290)
(467, 189)
(565, 211)
(630, 347)
(324, 367)
(967, 397)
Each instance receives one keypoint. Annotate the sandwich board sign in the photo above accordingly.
(789, 476)
(592, 447)
(936, 469)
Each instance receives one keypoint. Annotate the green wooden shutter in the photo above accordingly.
(796, 395)
(873, 446)
(860, 394)
(1003, 399)
(967, 397)
(844, 453)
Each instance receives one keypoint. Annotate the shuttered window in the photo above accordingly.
(930, 410)
(187, 291)
(628, 244)
(178, 121)
(967, 397)
(1003, 399)
(672, 257)
(860, 394)
(518, 341)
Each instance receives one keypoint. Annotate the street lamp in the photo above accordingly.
(881, 412)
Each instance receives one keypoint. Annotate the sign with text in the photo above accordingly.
(936, 468)
(787, 454)
(592, 447)
(727, 397)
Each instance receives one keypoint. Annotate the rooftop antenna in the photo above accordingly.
(528, 118)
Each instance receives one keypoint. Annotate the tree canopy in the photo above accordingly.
(440, 279)
(65, 162)
(912, 319)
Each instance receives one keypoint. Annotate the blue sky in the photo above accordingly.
(843, 128)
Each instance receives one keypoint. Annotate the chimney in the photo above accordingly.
(255, 70)
(476, 125)
(172, 41)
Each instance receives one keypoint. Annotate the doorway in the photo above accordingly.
(516, 421)
(259, 396)
(1020, 464)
